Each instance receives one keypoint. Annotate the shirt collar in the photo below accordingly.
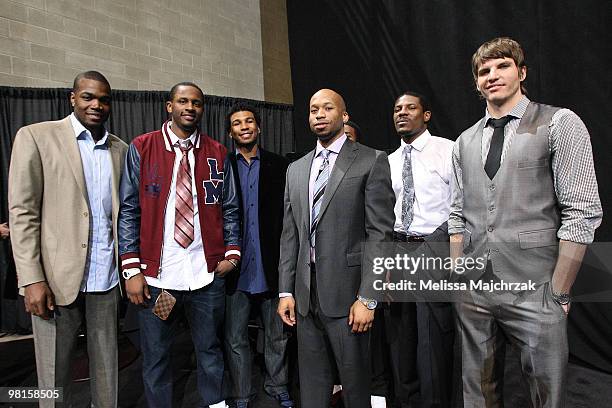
(334, 147)
(257, 154)
(419, 143)
(78, 128)
(174, 139)
(517, 111)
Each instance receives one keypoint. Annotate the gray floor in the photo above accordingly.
(587, 388)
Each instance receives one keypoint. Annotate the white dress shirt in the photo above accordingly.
(431, 158)
(182, 268)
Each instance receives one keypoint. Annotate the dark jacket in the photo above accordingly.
(145, 186)
(272, 170)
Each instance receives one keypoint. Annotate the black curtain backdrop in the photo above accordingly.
(133, 113)
(370, 51)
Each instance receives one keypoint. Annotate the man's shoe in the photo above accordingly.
(242, 404)
(284, 400)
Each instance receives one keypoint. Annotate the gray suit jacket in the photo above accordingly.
(357, 208)
(49, 206)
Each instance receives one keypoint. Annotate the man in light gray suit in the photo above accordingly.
(337, 198)
(525, 199)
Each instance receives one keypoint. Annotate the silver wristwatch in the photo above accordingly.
(561, 298)
(369, 303)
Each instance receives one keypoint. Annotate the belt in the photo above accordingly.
(401, 237)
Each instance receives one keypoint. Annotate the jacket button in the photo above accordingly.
(492, 187)
(490, 229)
(85, 214)
(492, 208)
(83, 245)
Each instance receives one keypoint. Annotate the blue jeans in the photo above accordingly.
(238, 352)
(204, 309)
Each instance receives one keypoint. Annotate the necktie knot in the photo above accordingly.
(407, 149)
(499, 123)
(325, 154)
(184, 145)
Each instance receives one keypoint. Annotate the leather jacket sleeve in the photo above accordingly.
(231, 213)
(129, 211)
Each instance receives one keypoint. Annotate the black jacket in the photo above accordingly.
(272, 171)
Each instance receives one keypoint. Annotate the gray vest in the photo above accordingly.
(513, 219)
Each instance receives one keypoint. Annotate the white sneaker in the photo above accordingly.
(378, 402)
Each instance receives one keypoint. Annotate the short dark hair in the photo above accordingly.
(356, 127)
(173, 90)
(93, 75)
(424, 101)
(241, 107)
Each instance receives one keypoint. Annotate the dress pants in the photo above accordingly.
(379, 356)
(55, 339)
(435, 353)
(402, 335)
(237, 349)
(323, 340)
(535, 324)
(204, 309)
(421, 338)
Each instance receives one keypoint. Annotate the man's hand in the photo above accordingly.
(137, 289)
(286, 310)
(224, 267)
(5, 232)
(566, 308)
(360, 317)
(39, 299)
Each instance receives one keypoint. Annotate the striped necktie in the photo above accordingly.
(408, 190)
(183, 219)
(317, 198)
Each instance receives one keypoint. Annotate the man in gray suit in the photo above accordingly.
(63, 205)
(337, 198)
(525, 199)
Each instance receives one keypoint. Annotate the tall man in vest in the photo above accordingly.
(526, 200)
(179, 235)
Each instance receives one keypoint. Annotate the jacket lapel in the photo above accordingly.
(115, 153)
(68, 140)
(347, 155)
(304, 174)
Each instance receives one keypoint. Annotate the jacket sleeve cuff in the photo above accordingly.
(130, 260)
(232, 252)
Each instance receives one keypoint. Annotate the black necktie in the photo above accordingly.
(497, 145)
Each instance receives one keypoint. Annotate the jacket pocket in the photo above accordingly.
(353, 259)
(537, 239)
(532, 163)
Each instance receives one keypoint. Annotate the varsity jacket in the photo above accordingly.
(144, 190)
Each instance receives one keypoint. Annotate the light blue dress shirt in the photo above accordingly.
(100, 270)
